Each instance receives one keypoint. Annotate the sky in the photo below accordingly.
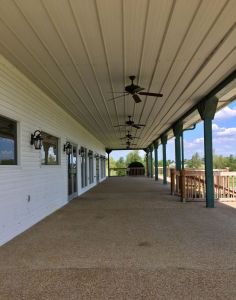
(224, 137)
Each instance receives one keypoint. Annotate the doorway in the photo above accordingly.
(72, 173)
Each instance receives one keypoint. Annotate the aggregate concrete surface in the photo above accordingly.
(125, 239)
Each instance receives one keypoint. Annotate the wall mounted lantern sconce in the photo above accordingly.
(81, 151)
(67, 148)
(36, 140)
(90, 153)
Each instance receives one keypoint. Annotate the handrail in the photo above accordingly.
(134, 171)
(189, 184)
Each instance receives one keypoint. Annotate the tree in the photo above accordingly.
(219, 162)
(195, 162)
(231, 162)
(112, 165)
(133, 156)
(120, 163)
(112, 162)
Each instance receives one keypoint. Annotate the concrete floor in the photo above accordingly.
(125, 239)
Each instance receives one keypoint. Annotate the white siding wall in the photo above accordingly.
(22, 101)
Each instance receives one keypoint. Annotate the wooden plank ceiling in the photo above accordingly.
(80, 52)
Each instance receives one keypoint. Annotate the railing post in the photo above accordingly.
(147, 164)
(182, 182)
(177, 182)
(172, 181)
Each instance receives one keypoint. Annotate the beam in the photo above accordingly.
(178, 129)
(156, 159)
(151, 161)
(207, 112)
(125, 149)
(108, 151)
(164, 142)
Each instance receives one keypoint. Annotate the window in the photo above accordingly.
(84, 156)
(8, 141)
(90, 155)
(49, 150)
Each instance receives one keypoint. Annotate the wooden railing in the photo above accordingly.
(190, 184)
(160, 171)
(225, 185)
(138, 171)
(118, 171)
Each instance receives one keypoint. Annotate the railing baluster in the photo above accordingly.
(190, 184)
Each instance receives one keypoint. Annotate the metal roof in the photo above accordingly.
(80, 52)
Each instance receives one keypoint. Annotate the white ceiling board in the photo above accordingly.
(79, 52)
(193, 67)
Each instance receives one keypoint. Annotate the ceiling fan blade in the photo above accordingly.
(136, 98)
(151, 94)
(136, 126)
(140, 125)
(138, 89)
(119, 125)
(114, 98)
(117, 92)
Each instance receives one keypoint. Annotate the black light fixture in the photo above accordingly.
(90, 153)
(36, 139)
(82, 151)
(67, 148)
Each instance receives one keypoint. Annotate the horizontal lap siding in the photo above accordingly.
(22, 101)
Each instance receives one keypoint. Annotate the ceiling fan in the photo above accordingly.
(128, 144)
(135, 91)
(131, 123)
(129, 136)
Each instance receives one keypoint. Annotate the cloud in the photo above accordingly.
(197, 145)
(226, 113)
(226, 132)
(215, 127)
(223, 142)
(199, 141)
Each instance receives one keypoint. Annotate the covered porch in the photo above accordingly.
(127, 238)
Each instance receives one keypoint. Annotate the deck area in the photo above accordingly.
(127, 238)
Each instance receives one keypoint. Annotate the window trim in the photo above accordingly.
(16, 142)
